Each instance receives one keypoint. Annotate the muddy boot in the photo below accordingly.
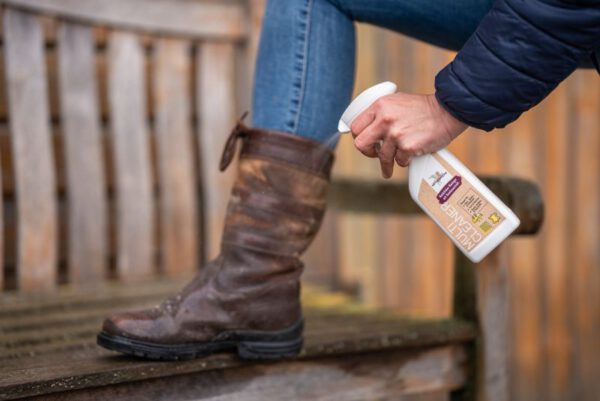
(248, 298)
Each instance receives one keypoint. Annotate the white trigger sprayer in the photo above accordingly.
(471, 215)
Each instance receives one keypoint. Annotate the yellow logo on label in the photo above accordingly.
(494, 218)
(476, 218)
(485, 227)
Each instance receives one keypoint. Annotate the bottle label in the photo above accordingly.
(456, 205)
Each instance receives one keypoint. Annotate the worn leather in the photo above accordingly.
(275, 209)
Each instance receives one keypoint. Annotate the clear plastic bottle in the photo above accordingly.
(471, 215)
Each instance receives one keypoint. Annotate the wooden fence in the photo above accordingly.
(406, 264)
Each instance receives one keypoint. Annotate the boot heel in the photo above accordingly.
(269, 350)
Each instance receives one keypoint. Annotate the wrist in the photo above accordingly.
(451, 125)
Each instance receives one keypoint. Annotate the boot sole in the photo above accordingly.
(252, 345)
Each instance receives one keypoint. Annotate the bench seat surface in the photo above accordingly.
(47, 342)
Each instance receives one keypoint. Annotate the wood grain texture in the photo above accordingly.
(558, 362)
(397, 244)
(434, 266)
(201, 19)
(390, 375)
(525, 321)
(493, 305)
(214, 95)
(246, 57)
(585, 274)
(32, 151)
(131, 155)
(372, 346)
(174, 145)
(356, 195)
(83, 153)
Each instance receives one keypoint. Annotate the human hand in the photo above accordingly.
(401, 126)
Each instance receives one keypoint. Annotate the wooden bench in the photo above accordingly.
(113, 114)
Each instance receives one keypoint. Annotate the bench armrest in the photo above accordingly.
(377, 197)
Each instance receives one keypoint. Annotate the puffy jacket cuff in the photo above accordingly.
(456, 99)
(455, 113)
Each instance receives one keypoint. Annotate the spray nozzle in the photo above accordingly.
(363, 101)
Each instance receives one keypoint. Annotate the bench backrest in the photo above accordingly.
(112, 114)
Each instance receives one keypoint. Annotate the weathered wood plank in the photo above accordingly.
(331, 318)
(397, 244)
(525, 270)
(353, 195)
(558, 144)
(585, 206)
(201, 19)
(31, 147)
(465, 307)
(130, 145)
(333, 327)
(353, 377)
(177, 199)
(433, 268)
(214, 94)
(328, 334)
(493, 305)
(86, 192)
(248, 53)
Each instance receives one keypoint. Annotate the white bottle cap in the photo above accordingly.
(363, 101)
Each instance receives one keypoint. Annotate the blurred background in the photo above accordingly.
(406, 263)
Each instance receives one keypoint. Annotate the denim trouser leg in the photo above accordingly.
(305, 66)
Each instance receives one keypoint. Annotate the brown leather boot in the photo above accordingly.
(248, 298)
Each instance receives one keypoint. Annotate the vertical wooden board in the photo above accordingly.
(350, 163)
(395, 246)
(585, 275)
(366, 260)
(248, 54)
(346, 278)
(177, 202)
(131, 157)
(522, 160)
(442, 275)
(408, 292)
(214, 97)
(493, 306)
(359, 246)
(256, 10)
(86, 187)
(555, 234)
(434, 250)
(32, 151)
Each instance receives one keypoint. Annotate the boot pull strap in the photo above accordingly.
(229, 149)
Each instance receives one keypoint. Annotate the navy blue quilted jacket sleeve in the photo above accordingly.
(520, 52)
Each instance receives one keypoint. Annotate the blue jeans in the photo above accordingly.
(305, 67)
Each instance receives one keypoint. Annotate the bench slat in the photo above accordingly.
(31, 147)
(60, 358)
(352, 334)
(177, 200)
(395, 374)
(131, 155)
(214, 94)
(201, 19)
(362, 196)
(87, 211)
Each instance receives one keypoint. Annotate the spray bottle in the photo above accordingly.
(471, 215)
